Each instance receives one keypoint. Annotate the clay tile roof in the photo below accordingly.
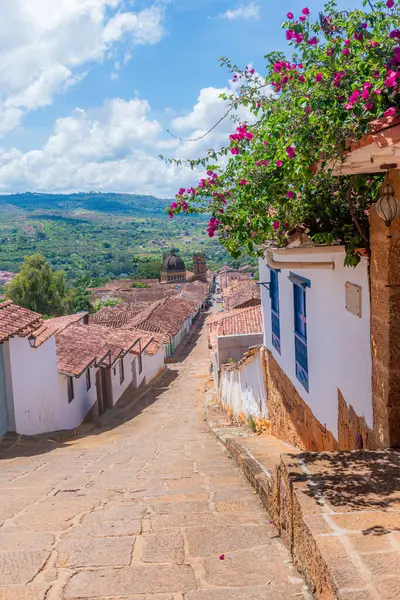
(117, 316)
(79, 346)
(240, 294)
(52, 326)
(234, 322)
(15, 320)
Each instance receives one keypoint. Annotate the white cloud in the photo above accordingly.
(115, 146)
(47, 46)
(243, 11)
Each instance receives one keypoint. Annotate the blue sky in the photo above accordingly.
(89, 86)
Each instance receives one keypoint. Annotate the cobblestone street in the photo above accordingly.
(142, 507)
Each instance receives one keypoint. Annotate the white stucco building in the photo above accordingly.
(316, 315)
(54, 372)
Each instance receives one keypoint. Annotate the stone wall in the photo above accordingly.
(385, 324)
(291, 419)
(353, 432)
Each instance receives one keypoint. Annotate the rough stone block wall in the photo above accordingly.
(351, 426)
(291, 419)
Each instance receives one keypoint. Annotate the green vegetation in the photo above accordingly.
(40, 289)
(99, 304)
(99, 236)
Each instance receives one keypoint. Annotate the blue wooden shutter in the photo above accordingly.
(300, 334)
(275, 322)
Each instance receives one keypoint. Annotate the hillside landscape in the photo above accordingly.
(99, 234)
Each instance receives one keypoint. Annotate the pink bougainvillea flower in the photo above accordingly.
(302, 19)
(394, 34)
(346, 51)
(298, 38)
(222, 557)
(312, 41)
(243, 182)
(235, 150)
(279, 164)
(181, 191)
(266, 163)
(290, 15)
(275, 225)
(305, 11)
(364, 25)
(171, 215)
(378, 92)
(347, 42)
(265, 143)
(358, 36)
(259, 104)
(390, 112)
(290, 34)
(348, 106)
(330, 52)
(290, 151)
(302, 78)
(173, 205)
(185, 206)
(369, 105)
(390, 3)
(365, 95)
(290, 194)
(319, 77)
(259, 163)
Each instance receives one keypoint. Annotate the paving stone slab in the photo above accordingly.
(208, 541)
(138, 579)
(95, 552)
(31, 592)
(20, 567)
(162, 548)
(280, 591)
(245, 568)
(168, 508)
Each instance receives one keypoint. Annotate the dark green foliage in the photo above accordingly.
(39, 288)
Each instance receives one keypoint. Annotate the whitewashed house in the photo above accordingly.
(54, 373)
(316, 315)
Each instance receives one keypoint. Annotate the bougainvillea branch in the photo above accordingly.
(275, 172)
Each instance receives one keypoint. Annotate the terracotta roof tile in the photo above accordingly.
(234, 322)
(241, 293)
(57, 324)
(15, 320)
(79, 346)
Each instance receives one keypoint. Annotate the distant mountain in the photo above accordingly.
(92, 201)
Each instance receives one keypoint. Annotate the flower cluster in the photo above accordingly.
(344, 73)
(213, 226)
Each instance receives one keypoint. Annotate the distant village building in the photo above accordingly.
(173, 268)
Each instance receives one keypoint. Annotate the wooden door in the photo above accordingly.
(99, 388)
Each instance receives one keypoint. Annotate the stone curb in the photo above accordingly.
(281, 497)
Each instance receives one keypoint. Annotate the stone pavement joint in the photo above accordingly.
(140, 507)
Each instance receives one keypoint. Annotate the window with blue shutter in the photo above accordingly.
(300, 328)
(275, 323)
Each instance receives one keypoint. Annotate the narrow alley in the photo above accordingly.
(148, 505)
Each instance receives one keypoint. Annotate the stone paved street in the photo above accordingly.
(141, 507)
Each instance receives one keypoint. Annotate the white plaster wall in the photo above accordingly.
(117, 387)
(153, 365)
(73, 413)
(253, 389)
(40, 393)
(339, 352)
(242, 388)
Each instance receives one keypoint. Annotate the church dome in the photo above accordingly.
(173, 263)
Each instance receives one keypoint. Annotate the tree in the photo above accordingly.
(305, 111)
(40, 289)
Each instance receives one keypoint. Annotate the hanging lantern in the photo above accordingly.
(387, 206)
